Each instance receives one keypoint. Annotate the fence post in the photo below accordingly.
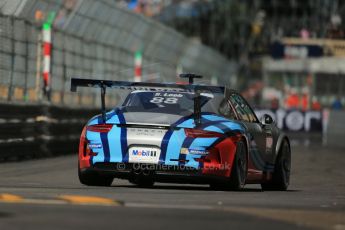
(26, 25)
(47, 49)
(13, 59)
(64, 69)
(38, 66)
(47, 59)
(138, 62)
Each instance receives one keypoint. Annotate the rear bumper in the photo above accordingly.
(161, 173)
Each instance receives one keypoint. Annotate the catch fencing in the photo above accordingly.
(93, 39)
(90, 39)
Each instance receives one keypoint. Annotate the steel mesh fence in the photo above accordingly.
(93, 39)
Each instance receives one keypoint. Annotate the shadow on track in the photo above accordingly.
(186, 188)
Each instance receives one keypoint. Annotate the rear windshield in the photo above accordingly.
(168, 102)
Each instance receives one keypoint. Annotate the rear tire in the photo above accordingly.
(93, 179)
(281, 175)
(239, 168)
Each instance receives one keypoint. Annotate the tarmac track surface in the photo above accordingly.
(46, 194)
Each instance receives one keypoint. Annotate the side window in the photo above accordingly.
(242, 108)
(226, 110)
(238, 107)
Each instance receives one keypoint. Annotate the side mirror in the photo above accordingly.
(266, 120)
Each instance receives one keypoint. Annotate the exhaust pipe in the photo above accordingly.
(136, 170)
(141, 170)
(142, 176)
(147, 172)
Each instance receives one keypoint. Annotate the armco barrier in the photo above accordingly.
(40, 130)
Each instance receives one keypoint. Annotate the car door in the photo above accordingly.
(257, 133)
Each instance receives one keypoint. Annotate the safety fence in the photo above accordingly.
(93, 39)
(19, 74)
(21, 64)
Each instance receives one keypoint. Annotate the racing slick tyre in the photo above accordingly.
(92, 179)
(239, 170)
(281, 175)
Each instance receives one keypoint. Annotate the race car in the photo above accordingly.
(181, 133)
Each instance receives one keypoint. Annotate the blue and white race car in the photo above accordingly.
(181, 133)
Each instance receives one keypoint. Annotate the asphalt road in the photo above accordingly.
(46, 194)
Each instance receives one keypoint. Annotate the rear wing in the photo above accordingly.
(79, 82)
(149, 86)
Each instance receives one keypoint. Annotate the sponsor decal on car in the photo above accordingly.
(193, 151)
(144, 153)
(95, 146)
(198, 152)
(138, 154)
(184, 151)
(168, 95)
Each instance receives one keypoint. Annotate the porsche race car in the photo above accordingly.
(181, 133)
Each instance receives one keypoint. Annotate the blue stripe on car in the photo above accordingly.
(186, 144)
(201, 144)
(93, 121)
(104, 154)
(214, 128)
(92, 136)
(123, 136)
(174, 147)
(213, 117)
(164, 145)
(101, 156)
(176, 140)
(166, 138)
(115, 142)
(105, 144)
(217, 124)
(188, 159)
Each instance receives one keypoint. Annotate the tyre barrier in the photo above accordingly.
(35, 131)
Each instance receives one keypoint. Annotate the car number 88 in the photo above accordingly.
(169, 100)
